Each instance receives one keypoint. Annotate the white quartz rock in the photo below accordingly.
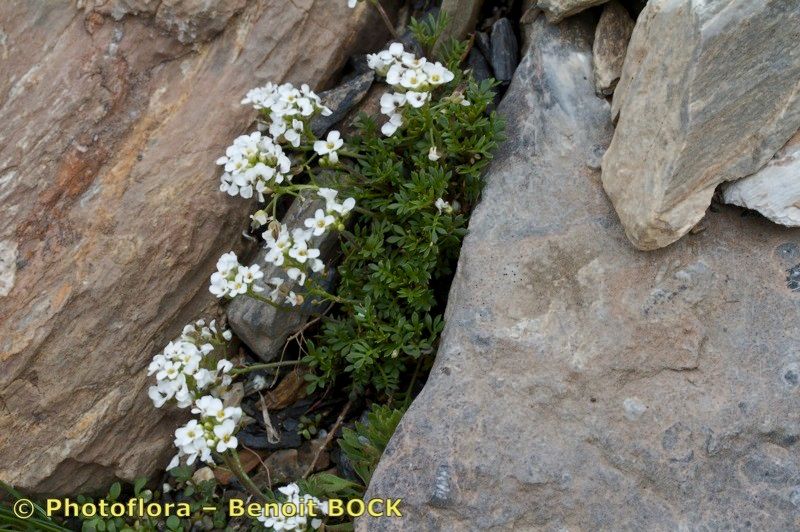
(774, 191)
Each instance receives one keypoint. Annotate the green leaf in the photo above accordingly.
(138, 485)
(173, 522)
(114, 491)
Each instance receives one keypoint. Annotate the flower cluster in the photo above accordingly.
(214, 432)
(278, 521)
(292, 251)
(286, 109)
(253, 163)
(412, 79)
(189, 365)
(232, 278)
(329, 148)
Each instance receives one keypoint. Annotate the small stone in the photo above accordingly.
(484, 43)
(479, 66)
(558, 10)
(634, 408)
(610, 44)
(505, 50)
(287, 392)
(340, 100)
(203, 474)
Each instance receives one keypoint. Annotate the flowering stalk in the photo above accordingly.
(235, 465)
(256, 367)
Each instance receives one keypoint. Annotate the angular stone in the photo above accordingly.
(704, 98)
(505, 50)
(581, 384)
(610, 43)
(477, 63)
(340, 100)
(558, 10)
(484, 43)
(263, 327)
(111, 219)
(774, 191)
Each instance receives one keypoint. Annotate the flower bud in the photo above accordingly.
(274, 227)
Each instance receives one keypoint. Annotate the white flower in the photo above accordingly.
(301, 252)
(413, 79)
(329, 195)
(330, 146)
(417, 99)
(293, 299)
(437, 74)
(191, 442)
(390, 102)
(188, 365)
(253, 163)
(442, 205)
(296, 274)
(225, 438)
(396, 49)
(258, 219)
(232, 279)
(286, 109)
(320, 222)
(433, 155)
(352, 3)
(299, 522)
(390, 127)
(345, 207)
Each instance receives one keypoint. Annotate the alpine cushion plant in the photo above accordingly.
(397, 193)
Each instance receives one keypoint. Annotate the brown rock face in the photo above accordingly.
(111, 218)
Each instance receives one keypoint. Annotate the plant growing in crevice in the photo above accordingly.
(398, 194)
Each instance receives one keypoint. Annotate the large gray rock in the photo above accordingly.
(774, 191)
(709, 92)
(557, 10)
(583, 385)
(610, 44)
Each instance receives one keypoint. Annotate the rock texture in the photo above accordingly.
(610, 43)
(558, 10)
(463, 17)
(774, 191)
(261, 326)
(111, 218)
(581, 384)
(704, 98)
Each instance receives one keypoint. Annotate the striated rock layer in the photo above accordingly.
(581, 384)
(111, 218)
(705, 97)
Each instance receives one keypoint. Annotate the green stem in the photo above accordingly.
(235, 465)
(253, 295)
(270, 365)
(351, 154)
